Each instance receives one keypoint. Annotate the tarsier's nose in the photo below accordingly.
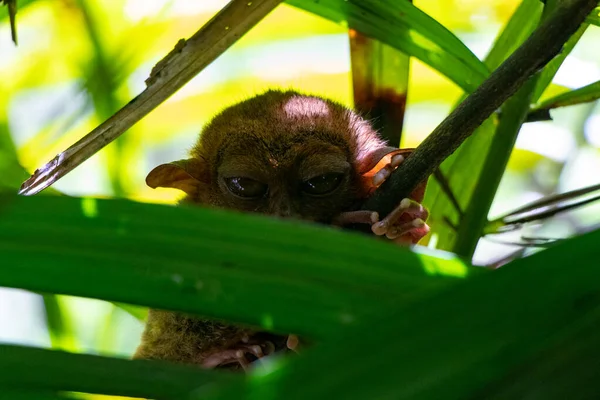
(286, 212)
(283, 207)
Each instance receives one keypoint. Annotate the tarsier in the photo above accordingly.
(287, 155)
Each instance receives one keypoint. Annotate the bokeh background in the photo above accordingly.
(79, 61)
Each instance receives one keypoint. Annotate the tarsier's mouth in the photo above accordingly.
(248, 350)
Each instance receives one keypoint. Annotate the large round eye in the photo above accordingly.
(322, 184)
(246, 187)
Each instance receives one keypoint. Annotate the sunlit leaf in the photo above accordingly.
(387, 22)
(103, 75)
(518, 28)
(179, 66)
(61, 332)
(551, 69)
(584, 94)
(22, 4)
(594, 17)
(139, 313)
(11, 172)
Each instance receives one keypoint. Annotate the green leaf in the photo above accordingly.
(12, 174)
(139, 313)
(10, 12)
(279, 275)
(552, 67)
(515, 328)
(21, 4)
(380, 75)
(387, 21)
(518, 28)
(47, 370)
(463, 169)
(584, 94)
(104, 73)
(560, 371)
(594, 17)
(25, 394)
(472, 224)
(477, 167)
(59, 327)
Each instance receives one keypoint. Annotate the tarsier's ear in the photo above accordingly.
(380, 158)
(186, 175)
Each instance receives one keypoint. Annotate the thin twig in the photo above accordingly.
(511, 223)
(547, 201)
(12, 15)
(447, 190)
(539, 49)
(185, 61)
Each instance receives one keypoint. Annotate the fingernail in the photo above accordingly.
(374, 217)
(292, 342)
(397, 160)
(379, 228)
(380, 177)
(405, 203)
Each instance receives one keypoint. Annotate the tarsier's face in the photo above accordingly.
(279, 153)
(311, 180)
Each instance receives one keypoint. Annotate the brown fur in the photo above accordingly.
(279, 138)
(181, 338)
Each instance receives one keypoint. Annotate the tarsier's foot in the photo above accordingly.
(248, 350)
(405, 224)
(240, 355)
(293, 343)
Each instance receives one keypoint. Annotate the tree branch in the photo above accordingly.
(537, 51)
(185, 61)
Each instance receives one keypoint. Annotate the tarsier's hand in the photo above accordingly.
(405, 224)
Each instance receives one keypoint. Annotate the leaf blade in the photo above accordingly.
(50, 370)
(453, 346)
(463, 168)
(584, 94)
(385, 21)
(211, 262)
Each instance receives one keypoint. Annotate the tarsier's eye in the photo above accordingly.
(246, 187)
(322, 184)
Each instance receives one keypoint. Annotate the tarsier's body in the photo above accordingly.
(283, 154)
